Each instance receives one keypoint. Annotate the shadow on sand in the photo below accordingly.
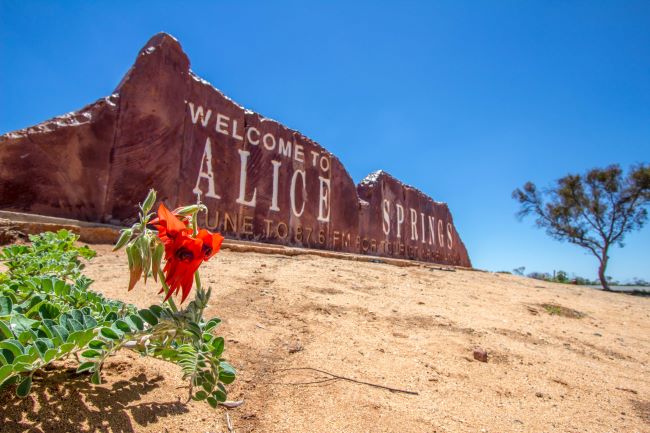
(63, 401)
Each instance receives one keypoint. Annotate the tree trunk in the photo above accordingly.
(601, 272)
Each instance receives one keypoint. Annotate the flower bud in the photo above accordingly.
(145, 254)
(156, 258)
(135, 264)
(187, 210)
(125, 236)
(149, 201)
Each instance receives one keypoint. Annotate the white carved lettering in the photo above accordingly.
(424, 231)
(386, 212)
(206, 174)
(292, 192)
(298, 154)
(234, 131)
(324, 200)
(249, 136)
(284, 148)
(414, 224)
(269, 141)
(400, 219)
(243, 156)
(222, 124)
(324, 163)
(450, 241)
(198, 114)
(276, 175)
(432, 225)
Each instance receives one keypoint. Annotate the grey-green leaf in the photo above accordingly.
(148, 317)
(5, 372)
(24, 387)
(97, 344)
(227, 373)
(5, 305)
(135, 322)
(109, 333)
(90, 354)
(85, 366)
(20, 323)
(217, 347)
(125, 236)
(48, 311)
(220, 393)
(200, 395)
(121, 325)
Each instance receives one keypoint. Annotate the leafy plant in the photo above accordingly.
(48, 313)
(50, 254)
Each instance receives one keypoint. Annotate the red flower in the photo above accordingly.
(169, 226)
(211, 243)
(183, 252)
(185, 259)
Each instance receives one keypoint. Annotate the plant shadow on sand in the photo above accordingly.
(64, 401)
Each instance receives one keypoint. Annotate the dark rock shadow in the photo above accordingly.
(63, 401)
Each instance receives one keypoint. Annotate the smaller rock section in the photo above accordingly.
(480, 354)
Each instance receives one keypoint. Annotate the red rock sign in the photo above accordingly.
(165, 127)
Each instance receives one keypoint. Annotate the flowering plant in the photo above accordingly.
(180, 336)
(47, 311)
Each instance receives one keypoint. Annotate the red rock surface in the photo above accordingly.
(166, 128)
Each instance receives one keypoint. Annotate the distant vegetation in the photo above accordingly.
(594, 210)
(564, 278)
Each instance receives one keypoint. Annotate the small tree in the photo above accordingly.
(561, 277)
(594, 210)
(519, 271)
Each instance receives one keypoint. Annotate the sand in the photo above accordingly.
(413, 328)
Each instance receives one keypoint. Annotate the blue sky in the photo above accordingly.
(465, 100)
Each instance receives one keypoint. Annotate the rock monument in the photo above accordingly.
(165, 127)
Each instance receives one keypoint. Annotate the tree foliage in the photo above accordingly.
(594, 210)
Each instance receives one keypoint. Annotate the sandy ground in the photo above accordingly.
(411, 328)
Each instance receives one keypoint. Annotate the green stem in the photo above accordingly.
(171, 302)
(195, 229)
(197, 278)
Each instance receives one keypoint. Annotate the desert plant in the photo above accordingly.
(48, 313)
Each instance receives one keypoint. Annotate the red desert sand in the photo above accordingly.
(559, 358)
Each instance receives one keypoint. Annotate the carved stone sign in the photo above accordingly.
(164, 127)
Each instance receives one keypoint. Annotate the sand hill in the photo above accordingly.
(560, 358)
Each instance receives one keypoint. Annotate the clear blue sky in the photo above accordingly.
(465, 100)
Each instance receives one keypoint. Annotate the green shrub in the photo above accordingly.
(48, 313)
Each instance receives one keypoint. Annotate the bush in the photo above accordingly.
(48, 313)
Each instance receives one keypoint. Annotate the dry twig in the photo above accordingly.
(349, 379)
(229, 424)
(232, 404)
